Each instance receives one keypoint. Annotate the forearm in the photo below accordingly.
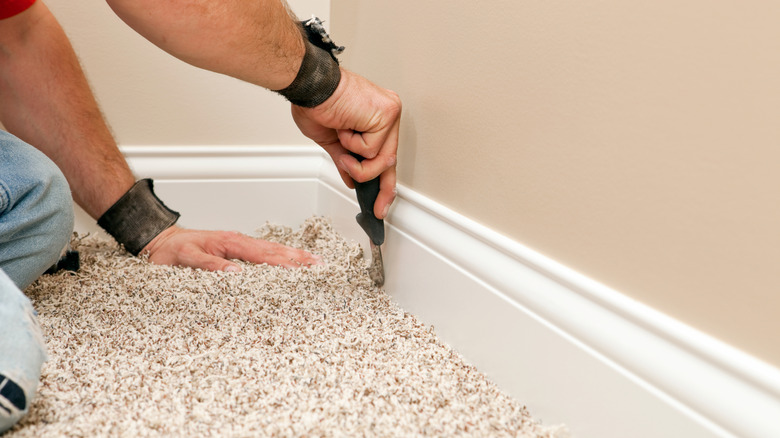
(46, 101)
(256, 41)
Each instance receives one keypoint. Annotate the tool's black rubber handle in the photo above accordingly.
(366, 196)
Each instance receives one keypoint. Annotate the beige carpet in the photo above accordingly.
(143, 350)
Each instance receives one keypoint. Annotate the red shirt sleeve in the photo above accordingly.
(9, 8)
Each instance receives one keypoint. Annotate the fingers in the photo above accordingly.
(379, 148)
(382, 165)
(214, 250)
(262, 251)
(336, 152)
(366, 144)
(368, 169)
(387, 193)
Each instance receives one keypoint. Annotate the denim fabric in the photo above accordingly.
(36, 221)
(22, 353)
(36, 211)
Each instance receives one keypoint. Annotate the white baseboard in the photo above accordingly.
(570, 348)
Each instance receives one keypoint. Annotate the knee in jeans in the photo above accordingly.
(36, 208)
(59, 204)
(53, 209)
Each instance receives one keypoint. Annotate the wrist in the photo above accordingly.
(138, 217)
(159, 240)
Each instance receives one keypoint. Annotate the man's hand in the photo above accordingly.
(363, 118)
(212, 250)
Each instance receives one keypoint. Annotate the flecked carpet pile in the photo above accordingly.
(137, 349)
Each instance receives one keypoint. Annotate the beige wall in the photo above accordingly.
(638, 143)
(151, 98)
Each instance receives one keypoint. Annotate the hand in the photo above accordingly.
(363, 118)
(211, 250)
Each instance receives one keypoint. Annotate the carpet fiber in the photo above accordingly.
(138, 349)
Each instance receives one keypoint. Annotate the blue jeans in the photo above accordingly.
(36, 222)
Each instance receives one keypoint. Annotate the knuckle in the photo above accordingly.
(230, 237)
(395, 100)
(393, 108)
(188, 255)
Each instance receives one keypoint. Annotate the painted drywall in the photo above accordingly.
(152, 98)
(635, 143)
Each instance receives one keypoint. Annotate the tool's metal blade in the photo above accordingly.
(374, 227)
(377, 269)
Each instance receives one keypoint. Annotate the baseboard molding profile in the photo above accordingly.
(573, 350)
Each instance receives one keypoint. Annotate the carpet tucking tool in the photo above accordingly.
(375, 228)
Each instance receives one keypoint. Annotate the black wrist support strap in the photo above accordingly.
(319, 74)
(137, 217)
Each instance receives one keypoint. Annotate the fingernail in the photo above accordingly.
(233, 268)
(386, 210)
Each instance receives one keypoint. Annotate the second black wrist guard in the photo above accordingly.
(137, 217)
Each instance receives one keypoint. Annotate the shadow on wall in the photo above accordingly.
(407, 149)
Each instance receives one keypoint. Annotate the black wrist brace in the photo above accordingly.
(137, 217)
(319, 74)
